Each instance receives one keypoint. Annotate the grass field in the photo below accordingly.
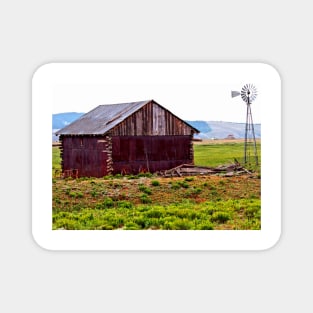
(56, 159)
(139, 202)
(215, 152)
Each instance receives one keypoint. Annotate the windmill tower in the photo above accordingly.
(248, 94)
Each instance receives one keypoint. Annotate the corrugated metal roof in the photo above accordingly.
(104, 117)
(101, 119)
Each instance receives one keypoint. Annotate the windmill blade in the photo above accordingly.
(248, 93)
(235, 94)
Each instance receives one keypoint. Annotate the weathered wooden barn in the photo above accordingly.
(125, 138)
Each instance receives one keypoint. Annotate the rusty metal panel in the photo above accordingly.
(149, 153)
(91, 155)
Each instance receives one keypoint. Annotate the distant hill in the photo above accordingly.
(60, 120)
(221, 130)
(208, 129)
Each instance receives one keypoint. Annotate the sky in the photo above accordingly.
(189, 102)
(199, 91)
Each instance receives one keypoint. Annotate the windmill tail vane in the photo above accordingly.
(235, 94)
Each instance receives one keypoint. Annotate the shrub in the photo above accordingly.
(252, 212)
(94, 193)
(141, 222)
(154, 213)
(124, 204)
(205, 226)
(175, 186)
(189, 179)
(65, 223)
(155, 183)
(220, 217)
(145, 199)
(196, 190)
(57, 200)
(145, 174)
(145, 189)
(105, 227)
(184, 184)
(182, 224)
(79, 195)
(131, 226)
(107, 177)
(131, 177)
(107, 203)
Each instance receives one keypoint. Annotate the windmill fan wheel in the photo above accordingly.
(248, 93)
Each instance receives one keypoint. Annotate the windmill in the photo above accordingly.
(248, 94)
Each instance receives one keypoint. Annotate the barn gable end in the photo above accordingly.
(152, 120)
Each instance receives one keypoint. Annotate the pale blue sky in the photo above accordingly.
(189, 102)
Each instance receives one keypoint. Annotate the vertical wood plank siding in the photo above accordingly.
(91, 156)
(151, 120)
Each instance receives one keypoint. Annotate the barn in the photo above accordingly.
(125, 138)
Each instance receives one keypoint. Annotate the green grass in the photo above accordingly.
(184, 216)
(215, 154)
(56, 159)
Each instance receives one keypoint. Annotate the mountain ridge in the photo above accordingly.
(208, 129)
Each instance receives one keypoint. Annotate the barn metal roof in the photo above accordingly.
(103, 118)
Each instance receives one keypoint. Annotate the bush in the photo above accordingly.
(131, 226)
(94, 193)
(124, 204)
(107, 203)
(196, 190)
(79, 194)
(145, 199)
(145, 189)
(155, 183)
(184, 184)
(154, 213)
(72, 194)
(145, 174)
(220, 217)
(189, 179)
(141, 222)
(182, 224)
(175, 186)
(205, 226)
(105, 227)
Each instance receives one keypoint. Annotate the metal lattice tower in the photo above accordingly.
(248, 94)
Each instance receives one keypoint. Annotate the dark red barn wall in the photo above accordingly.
(134, 154)
(88, 155)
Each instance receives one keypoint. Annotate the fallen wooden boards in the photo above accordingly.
(190, 170)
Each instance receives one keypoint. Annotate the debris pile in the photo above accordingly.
(192, 170)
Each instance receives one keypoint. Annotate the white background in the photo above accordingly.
(37, 32)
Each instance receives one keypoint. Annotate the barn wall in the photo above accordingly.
(89, 155)
(152, 120)
(134, 154)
